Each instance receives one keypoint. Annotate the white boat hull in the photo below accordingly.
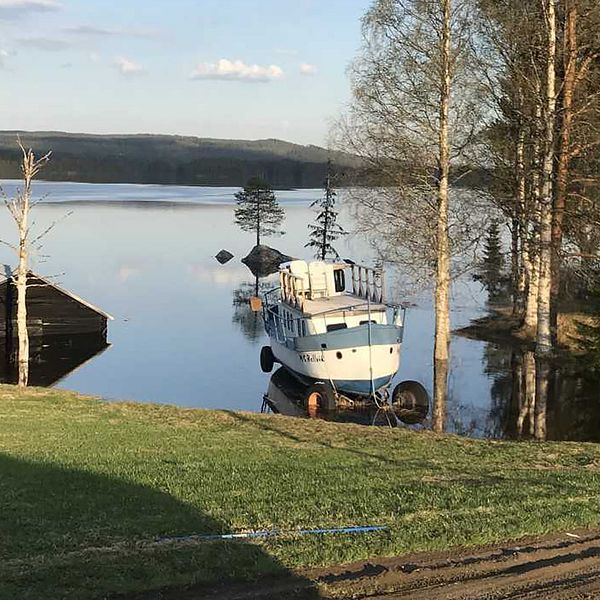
(350, 370)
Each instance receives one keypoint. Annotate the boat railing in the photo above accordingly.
(287, 329)
(292, 289)
(367, 283)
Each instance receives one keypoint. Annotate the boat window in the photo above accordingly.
(339, 280)
(303, 326)
(366, 322)
(336, 326)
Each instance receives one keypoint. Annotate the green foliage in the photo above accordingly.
(258, 210)
(87, 487)
(170, 159)
(326, 230)
(491, 271)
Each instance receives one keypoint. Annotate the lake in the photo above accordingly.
(183, 333)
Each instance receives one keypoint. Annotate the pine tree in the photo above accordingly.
(491, 273)
(326, 229)
(258, 210)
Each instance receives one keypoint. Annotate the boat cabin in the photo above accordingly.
(318, 297)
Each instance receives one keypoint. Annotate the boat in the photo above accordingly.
(329, 325)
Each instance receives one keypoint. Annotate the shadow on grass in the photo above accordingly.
(71, 533)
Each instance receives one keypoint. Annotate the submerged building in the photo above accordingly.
(65, 330)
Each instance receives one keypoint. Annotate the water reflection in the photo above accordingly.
(542, 400)
(287, 396)
(250, 322)
(51, 358)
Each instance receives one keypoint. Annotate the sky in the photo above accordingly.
(245, 69)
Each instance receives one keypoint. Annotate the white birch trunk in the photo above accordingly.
(544, 338)
(442, 289)
(531, 236)
(19, 208)
(21, 285)
(532, 266)
(520, 225)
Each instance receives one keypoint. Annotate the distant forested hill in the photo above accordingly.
(172, 159)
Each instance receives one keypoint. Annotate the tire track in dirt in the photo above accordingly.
(557, 567)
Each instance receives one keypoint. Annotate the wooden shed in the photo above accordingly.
(51, 311)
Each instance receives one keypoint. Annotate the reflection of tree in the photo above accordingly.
(540, 400)
(250, 322)
(498, 367)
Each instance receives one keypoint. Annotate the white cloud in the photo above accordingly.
(93, 31)
(307, 69)
(4, 54)
(13, 9)
(236, 70)
(128, 67)
(42, 43)
(89, 30)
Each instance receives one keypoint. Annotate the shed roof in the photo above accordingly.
(89, 305)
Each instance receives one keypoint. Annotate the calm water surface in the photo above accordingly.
(183, 334)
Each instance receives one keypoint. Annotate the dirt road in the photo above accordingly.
(557, 567)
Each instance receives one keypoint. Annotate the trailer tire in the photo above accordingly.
(410, 402)
(320, 396)
(267, 360)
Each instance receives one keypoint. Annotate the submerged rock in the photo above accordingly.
(264, 260)
(224, 256)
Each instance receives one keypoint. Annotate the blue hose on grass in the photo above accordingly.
(267, 533)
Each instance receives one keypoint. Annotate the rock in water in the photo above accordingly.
(224, 256)
(263, 260)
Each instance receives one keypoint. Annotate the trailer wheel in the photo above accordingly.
(267, 360)
(410, 401)
(320, 396)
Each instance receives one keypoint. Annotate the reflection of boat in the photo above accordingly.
(287, 396)
(328, 324)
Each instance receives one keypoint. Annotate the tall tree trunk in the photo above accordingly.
(519, 226)
(19, 208)
(21, 284)
(562, 173)
(530, 235)
(440, 395)
(544, 338)
(442, 289)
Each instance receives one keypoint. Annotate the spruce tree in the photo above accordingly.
(325, 230)
(258, 210)
(492, 267)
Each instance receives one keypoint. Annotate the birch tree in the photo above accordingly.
(543, 336)
(414, 112)
(19, 207)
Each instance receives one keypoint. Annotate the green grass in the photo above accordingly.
(86, 487)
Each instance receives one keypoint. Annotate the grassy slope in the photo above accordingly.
(86, 487)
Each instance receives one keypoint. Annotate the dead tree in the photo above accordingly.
(19, 207)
